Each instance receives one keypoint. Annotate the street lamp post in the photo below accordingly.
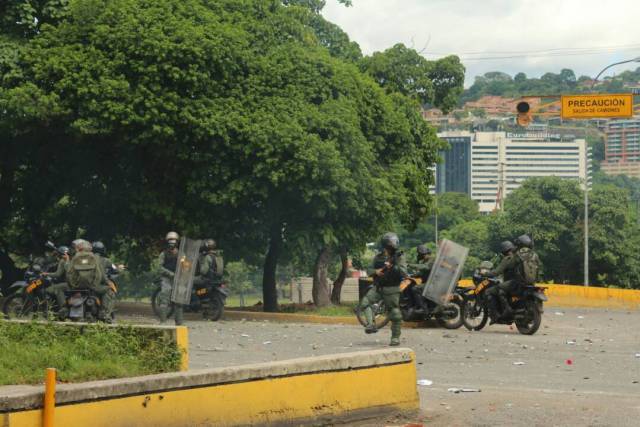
(612, 65)
(586, 182)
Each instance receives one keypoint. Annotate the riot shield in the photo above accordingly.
(445, 271)
(185, 270)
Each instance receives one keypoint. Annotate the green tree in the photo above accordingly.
(403, 70)
(132, 118)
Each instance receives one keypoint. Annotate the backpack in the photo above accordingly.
(530, 265)
(217, 257)
(85, 271)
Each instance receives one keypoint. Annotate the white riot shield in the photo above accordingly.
(445, 272)
(185, 270)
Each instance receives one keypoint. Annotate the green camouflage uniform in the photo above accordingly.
(208, 277)
(167, 263)
(509, 269)
(421, 269)
(58, 289)
(387, 289)
(104, 291)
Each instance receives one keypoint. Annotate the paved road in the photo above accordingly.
(600, 386)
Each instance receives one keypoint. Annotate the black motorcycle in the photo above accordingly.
(526, 306)
(215, 295)
(28, 298)
(448, 315)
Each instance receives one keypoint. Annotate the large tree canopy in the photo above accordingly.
(245, 119)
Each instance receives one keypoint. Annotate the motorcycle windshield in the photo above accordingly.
(445, 272)
(185, 270)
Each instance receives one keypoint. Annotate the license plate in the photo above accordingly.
(77, 312)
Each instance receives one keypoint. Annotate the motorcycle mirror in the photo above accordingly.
(50, 245)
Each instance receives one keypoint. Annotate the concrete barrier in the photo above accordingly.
(344, 386)
(559, 295)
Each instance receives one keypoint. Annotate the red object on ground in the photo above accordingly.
(569, 362)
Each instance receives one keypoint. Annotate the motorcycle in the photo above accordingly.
(526, 306)
(216, 295)
(28, 297)
(448, 315)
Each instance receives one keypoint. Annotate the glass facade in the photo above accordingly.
(454, 173)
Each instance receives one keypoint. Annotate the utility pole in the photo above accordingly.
(586, 232)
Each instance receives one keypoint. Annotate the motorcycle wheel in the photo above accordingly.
(155, 305)
(456, 321)
(16, 307)
(380, 316)
(474, 315)
(217, 308)
(530, 324)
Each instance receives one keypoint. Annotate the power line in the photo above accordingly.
(522, 52)
(491, 58)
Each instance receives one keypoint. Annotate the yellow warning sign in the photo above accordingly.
(597, 106)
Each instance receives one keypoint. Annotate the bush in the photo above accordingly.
(83, 353)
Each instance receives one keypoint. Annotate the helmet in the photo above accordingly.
(390, 241)
(82, 245)
(62, 250)
(506, 247)
(486, 265)
(98, 248)
(209, 244)
(172, 235)
(423, 250)
(172, 239)
(524, 241)
(75, 243)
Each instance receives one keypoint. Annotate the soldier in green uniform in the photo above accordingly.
(59, 277)
(390, 269)
(167, 264)
(209, 273)
(518, 260)
(107, 289)
(421, 269)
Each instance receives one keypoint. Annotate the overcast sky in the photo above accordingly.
(543, 35)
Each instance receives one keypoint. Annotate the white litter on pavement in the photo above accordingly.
(559, 313)
(425, 382)
(464, 390)
(519, 363)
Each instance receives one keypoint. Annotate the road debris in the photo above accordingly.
(519, 363)
(463, 390)
(425, 382)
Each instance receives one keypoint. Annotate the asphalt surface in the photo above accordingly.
(582, 368)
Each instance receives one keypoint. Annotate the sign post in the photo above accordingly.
(597, 106)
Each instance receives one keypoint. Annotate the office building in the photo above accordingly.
(501, 161)
(454, 172)
(622, 147)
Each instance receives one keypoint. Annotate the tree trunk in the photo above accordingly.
(269, 290)
(337, 285)
(320, 290)
(10, 273)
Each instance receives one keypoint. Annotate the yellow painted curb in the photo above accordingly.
(312, 390)
(182, 341)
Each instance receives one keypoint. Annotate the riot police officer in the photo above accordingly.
(209, 274)
(167, 263)
(390, 269)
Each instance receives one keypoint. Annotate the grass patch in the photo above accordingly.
(84, 353)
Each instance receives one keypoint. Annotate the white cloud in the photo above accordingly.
(459, 26)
